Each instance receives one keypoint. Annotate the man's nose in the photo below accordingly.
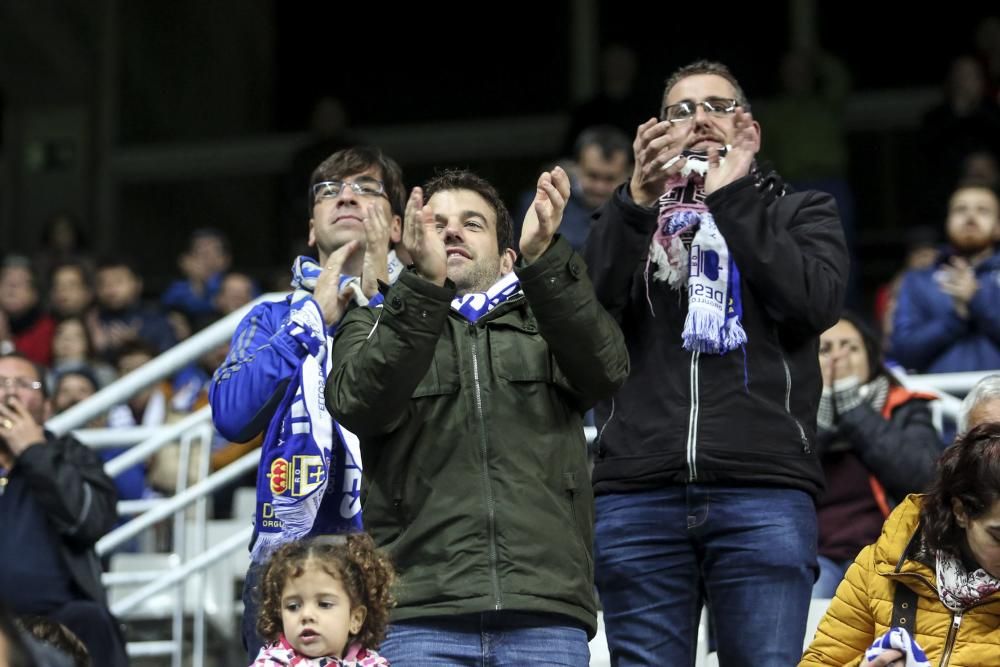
(453, 231)
(347, 196)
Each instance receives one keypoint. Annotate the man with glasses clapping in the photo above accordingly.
(309, 476)
(722, 280)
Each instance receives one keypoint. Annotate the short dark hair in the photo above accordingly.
(39, 369)
(462, 179)
(210, 233)
(707, 67)
(117, 262)
(608, 139)
(81, 267)
(135, 346)
(15, 261)
(969, 471)
(356, 159)
(82, 371)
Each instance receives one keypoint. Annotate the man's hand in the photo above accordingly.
(18, 427)
(958, 280)
(746, 143)
(375, 266)
(889, 658)
(657, 144)
(421, 240)
(332, 302)
(545, 214)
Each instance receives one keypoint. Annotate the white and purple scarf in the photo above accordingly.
(305, 450)
(474, 305)
(690, 252)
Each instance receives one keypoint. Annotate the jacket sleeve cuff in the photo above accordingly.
(424, 287)
(641, 218)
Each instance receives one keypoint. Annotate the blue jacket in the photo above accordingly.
(180, 295)
(262, 359)
(929, 336)
(248, 388)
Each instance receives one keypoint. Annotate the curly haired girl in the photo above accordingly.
(324, 602)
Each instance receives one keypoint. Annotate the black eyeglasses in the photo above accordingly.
(365, 186)
(685, 110)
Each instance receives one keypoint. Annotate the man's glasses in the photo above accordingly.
(19, 383)
(685, 110)
(365, 186)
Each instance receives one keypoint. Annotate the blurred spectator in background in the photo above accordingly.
(203, 264)
(947, 317)
(62, 241)
(876, 442)
(602, 160)
(121, 316)
(922, 248)
(71, 290)
(23, 325)
(236, 290)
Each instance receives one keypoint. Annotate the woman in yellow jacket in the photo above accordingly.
(935, 571)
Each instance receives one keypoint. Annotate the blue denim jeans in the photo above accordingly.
(831, 573)
(749, 552)
(491, 639)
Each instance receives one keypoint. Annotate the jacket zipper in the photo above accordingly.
(487, 485)
(788, 406)
(692, 442)
(956, 620)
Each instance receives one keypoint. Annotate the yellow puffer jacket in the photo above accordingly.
(862, 608)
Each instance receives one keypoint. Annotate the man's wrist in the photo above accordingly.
(638, 196)
(431, 279)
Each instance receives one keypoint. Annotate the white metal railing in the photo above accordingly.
(178, 502)
(155, 370)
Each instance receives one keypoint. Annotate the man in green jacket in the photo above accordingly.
(467, 389)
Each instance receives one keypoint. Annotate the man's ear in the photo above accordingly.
(396, 235)
(507, 260)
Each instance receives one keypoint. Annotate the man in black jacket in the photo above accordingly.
(722, 280)
(55, 503)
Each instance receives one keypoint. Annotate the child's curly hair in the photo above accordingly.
(364, 570)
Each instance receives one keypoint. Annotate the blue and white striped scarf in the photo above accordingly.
(474, 305)
(900, 640)
(309, 476)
